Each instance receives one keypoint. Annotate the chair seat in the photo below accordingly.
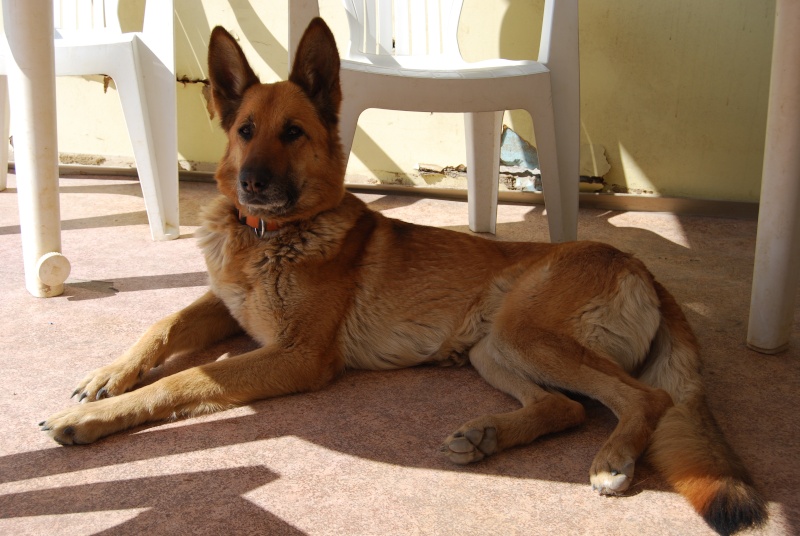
(96, 36)
(439, 67)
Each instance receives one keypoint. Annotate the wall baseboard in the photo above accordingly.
(600, 201)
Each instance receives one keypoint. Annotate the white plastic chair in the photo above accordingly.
(404, 55)
(89, 40)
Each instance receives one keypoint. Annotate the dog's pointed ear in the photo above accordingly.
(316, 70)
(229, 74)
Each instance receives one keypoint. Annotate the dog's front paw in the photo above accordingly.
(471, 445)
(111, 380)
(80, 424)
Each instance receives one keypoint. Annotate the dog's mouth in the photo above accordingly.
(267, 209)
(271, 203)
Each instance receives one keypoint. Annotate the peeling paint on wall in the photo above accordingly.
(205, 91)
(81, 159)
(519, 167)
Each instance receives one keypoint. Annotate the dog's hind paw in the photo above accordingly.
(471, 445)
(608, 481)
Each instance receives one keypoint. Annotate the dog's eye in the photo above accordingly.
(292, 133)
(246, 131)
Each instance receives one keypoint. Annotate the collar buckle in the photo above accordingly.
(259, 226)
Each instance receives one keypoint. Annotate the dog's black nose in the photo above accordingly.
(254, 181)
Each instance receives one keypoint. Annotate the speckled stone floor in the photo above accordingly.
(361, 456)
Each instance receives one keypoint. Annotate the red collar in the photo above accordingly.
(258, 225)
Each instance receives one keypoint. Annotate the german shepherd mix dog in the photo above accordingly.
(324, 284)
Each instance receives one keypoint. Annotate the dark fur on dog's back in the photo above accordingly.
(327, 284)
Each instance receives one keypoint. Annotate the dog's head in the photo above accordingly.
(284, 160)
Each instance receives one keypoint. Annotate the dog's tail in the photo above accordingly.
(688, 447)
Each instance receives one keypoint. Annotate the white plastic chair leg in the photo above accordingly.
(32, 86)
(483, 168)
(149, 110)
(776, 272)
(562, 58)
(560, 196)
(348, 122)
(4, 129)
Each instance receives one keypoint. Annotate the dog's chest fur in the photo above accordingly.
(261, 279)
(345, 275)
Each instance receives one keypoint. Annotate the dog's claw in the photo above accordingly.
(109, 381)
(81, 424)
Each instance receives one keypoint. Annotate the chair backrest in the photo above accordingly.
(388, 27)
(430, 27)
(404, 27)
(82, 15)
(80, 19)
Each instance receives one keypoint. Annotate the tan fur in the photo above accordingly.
(340, 286)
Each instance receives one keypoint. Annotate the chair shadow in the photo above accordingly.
(191, 202)
(77, 290)
(173, 504)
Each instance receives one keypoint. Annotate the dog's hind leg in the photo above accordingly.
(542, 412)
(559, 361)
(194, 328)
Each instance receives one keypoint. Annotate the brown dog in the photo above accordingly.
(325, 284)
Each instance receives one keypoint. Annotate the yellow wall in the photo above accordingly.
(675, 90)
